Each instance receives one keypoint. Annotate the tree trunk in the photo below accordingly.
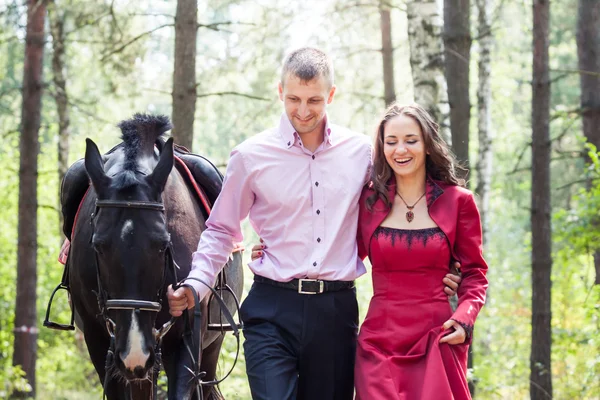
(457, 46)
(427, 61)
(540, 386)
(588, 51)
(483, 168)
(184, 73)
(57, 21)
(25, 346)
(387, 50)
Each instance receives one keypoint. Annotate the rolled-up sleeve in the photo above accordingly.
(223, 227)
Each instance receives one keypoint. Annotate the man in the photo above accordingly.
(300, 183)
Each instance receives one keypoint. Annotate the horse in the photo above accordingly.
(138, 219)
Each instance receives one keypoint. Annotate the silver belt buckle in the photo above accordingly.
(301, 281)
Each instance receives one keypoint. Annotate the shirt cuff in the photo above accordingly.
(201, 290)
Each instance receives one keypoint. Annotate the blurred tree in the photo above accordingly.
(483, 167)
(541, 232)
(588, 51)
(425, 25)
(57, 16)
(457, 51)
(26, 331)
(387, 50)
(184, 72)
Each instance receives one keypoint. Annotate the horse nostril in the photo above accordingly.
(139, 372)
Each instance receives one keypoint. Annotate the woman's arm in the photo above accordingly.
(468, 248)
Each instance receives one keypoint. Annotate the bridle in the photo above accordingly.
(192, 336)
(105, 304)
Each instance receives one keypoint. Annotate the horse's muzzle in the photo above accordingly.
(133, 372)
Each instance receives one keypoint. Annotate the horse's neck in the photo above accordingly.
(185, 220)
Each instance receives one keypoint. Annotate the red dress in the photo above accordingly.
(399, 356)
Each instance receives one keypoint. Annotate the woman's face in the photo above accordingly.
(403, 146)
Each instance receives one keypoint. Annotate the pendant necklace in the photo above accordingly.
(410, 215)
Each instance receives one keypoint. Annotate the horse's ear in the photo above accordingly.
(95, 167)
(159, 176)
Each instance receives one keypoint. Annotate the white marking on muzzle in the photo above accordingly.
(135, 355)
(127, 228)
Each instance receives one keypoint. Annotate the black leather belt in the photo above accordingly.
(308, 286)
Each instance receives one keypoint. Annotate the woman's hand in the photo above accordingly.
(458, 336)
(257, 250)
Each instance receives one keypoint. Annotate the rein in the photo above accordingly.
(192, 336)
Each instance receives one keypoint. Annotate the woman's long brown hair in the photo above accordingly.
(439, 163)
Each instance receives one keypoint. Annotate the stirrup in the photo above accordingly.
(223, 286)
(220, 326)
(56, 325)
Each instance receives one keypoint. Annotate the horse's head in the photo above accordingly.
(131, 241)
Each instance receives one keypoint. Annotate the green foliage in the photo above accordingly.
(580, 224)
(13, 378)
(577, 312)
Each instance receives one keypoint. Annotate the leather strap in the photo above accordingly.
(309, 286)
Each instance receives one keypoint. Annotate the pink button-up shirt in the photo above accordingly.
(303, 204)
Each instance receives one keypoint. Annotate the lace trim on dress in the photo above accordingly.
(433, 191)
(467, 327)
(410, 235)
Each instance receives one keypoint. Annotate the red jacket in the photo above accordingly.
(454, 210)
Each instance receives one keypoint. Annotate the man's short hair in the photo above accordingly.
(308, 63)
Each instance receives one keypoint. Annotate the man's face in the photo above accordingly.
(305, 102)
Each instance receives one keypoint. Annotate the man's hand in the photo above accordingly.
(457, 337)
(179, 300)
(452, 281)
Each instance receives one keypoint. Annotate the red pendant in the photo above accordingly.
(410, 216)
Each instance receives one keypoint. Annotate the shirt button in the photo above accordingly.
(316, 183)
(318, 212)
(289, 143)
(313, 157)
(318, 240)
(315, 264)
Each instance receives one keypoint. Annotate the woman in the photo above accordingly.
(414, 218)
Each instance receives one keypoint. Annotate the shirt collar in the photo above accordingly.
(290, 137)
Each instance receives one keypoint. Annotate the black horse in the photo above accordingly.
(122, 247)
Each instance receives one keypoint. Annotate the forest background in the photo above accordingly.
(526, 134)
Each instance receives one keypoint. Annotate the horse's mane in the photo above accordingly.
(139, 134)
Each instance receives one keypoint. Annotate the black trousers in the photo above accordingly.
(300, 346)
